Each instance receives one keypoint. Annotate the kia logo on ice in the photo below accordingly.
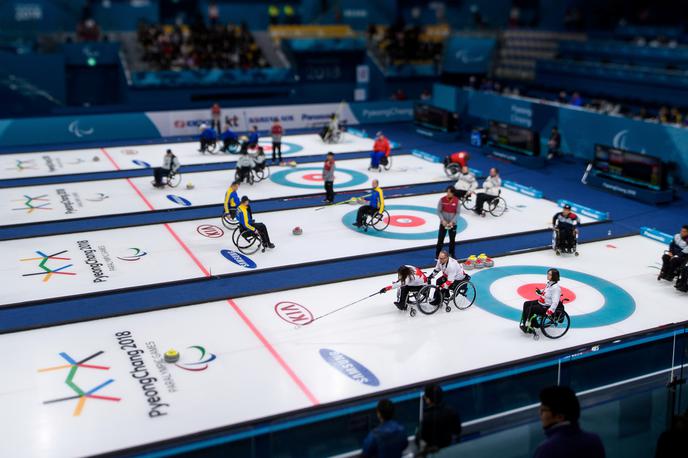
(293, 313)
(238, 259)
(349, 367)
(210, 231)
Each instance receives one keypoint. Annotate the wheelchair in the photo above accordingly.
(452, 170)
(211, 147)
(232, 148)
(564, 246)
(172, 179)
(247, 242)
(461, 296)
(495, 207)
(555, 326)
(378, 221)
(229, 221)
(256, 175)
(331, 137)
(386, 162)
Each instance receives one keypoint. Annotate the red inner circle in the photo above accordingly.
(406, 221)
(528, 293)
(313, 177)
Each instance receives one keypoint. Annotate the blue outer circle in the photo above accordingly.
(350, 218)
(282, 177)
(618, 304)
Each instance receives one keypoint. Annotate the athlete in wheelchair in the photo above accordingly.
(453, 286)
(230, 141)
(466, 184)
(454, 162)
(250, 236)
(244, 168)
(229, 219)
(565, 236)
(676, 256)
(208, 139)
(496, 205)
(547, 312)
(332, 132)
(410, 280)
(374, 214)
(168, 174)
(380, 156)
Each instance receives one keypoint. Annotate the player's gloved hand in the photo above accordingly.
(539, 292)
(550, 312)
(383, 290)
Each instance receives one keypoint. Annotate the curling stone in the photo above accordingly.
(171, 356)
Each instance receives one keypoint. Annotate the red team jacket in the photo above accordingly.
(382, 146)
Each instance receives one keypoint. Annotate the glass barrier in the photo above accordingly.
(498, 406)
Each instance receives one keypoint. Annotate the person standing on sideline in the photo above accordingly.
(448, 209)
(216, 117)
(559, 414)
(276, 131)
(441, 425)
(328, 177)
(387, 440)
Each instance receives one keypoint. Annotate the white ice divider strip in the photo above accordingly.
(654, 234)
(526, 190)
(357, 132)
(424, 155)
(587, 211)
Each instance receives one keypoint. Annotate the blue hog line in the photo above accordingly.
(349, 367)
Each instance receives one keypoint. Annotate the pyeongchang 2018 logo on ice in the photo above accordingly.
(81, 394)
(199, 361)
(31, 204)
(136, 255)
(49, 265)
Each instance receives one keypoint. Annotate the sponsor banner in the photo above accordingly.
(239, 259)
(526, 190)
(583, 210)
(654, 234)
(152, 125)
(349, 367)
(187, 122)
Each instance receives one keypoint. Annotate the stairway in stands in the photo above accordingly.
(520, 49)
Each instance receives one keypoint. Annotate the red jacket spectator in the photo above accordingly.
(382, 145)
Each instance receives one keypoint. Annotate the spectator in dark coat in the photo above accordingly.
(559, 414)
(441, 425)
(387, 440)
(674, 442)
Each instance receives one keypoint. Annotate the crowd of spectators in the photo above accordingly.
(181, 47)
(400, 44)
(662, 114)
